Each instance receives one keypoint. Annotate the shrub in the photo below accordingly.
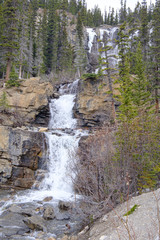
(13, 79)
(87, 76)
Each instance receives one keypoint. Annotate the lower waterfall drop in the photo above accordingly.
(62, 140)
(62, 143)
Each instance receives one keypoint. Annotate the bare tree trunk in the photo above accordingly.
(20, 71)
(8, 69)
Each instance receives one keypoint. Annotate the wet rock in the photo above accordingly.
(18, 237)
(83, 231)
(12, 224)
(74, 238)
(65, 238)
(55, 95)
(24, 183)
(62, 216)
(51, 238)
(47, 199)
(48, 213)
(43, 129)
(35, 223)
(5, 170)
(30, 152)
(68, 131)
(64, 206)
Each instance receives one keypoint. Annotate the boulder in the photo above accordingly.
(11, 223)
(47, 199)
(35, 223)
(5, 170)
(48, 213)
(64, 206)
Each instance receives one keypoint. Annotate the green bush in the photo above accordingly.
(13, 79)
(87, 76)
(4, 102)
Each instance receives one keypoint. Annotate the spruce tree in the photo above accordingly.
(50, 53)
(9, 39)
(2, 63)
(144, 36)
(79, 27)
(140, 93)
(155, 54)
(65, 51)
(23, 29)
(125, 89)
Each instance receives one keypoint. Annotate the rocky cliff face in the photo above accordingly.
(22, 150)
(21, 154)
(93, 106)
(26, 104)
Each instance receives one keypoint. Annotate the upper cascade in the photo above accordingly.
(96, 38)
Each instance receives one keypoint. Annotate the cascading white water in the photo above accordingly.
(61, 112)
(113, 52)
(61, 147)
(91, 34)
(62, 141)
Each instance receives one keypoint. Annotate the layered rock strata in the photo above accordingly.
(93, 106)
(21, 154)
(26, 104)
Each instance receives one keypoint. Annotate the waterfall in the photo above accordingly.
(110, 33)
(91, 34)
(61, 146)
(62, 140)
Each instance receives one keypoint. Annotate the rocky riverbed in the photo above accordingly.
(44, 219)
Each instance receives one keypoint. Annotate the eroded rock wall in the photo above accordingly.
(93, 106)
(27, 104)
(22, 150)
(21, 154)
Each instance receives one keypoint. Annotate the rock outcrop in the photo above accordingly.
(21, 154)
(27, 103)
(94, 106)
(141, 224)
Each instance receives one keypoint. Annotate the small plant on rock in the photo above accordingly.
(13, 79)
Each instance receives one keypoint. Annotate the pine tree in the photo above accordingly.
(97, 16)
(144, 36)
(73, 7)
(125, 97)
(89, 19)
(123, 12)
(79, 27)
(50, 53)
(2, 63)
(112, 17)
(65, 51)
(141, 95)
(22, 36)
(155, 54)
(10, 34)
